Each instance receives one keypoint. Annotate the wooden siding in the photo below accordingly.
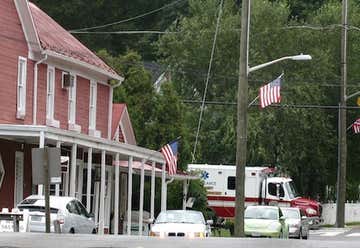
(12, 45)
(82, 103)
(102, 109)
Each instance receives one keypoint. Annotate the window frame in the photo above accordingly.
(72, 101)
(50, 93)
(92, 105)
(21, 88)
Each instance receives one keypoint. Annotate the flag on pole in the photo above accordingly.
(270, 93)
(169, 152)
(356, 126)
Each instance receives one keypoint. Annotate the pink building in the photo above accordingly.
(56, 92)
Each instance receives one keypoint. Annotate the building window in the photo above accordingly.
(72, 102)
(92, 106)
(21, 88)
(50, 93)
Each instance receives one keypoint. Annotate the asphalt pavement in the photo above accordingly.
(323, 238)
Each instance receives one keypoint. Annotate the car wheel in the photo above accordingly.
(72, 231)
(306, 236)
(93, 231)
(300, 234)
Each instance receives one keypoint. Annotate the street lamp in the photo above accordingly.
(295, 57)
(242, 105)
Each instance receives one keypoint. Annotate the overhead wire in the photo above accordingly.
(129, 19)
(207, 78)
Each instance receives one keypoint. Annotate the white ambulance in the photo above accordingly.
(261, 188)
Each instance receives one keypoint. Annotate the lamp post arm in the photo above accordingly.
(352, 95)
(257, 67)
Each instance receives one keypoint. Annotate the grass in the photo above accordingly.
(349, 224)
(222, 232)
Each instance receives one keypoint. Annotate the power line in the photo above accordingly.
(125, 32)
(208, 77)
(129, 19)
(303, 106)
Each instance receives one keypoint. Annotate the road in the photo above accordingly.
(324, 238)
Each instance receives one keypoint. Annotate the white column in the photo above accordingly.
(88, 181)
(57, 186)
(116, 203)
(108, 198)
(96, 202)
(185, 190)
(129, 195)
(141, 205)
(41, 145)
(73, 170)
(80, 181)
(102, 194)
(152, 197)
(163, 188)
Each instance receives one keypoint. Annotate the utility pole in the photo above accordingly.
(341, 180)
(242, 105)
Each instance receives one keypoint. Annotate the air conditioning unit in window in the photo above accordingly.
(68, 80)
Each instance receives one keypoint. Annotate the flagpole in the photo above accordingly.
(253, 101)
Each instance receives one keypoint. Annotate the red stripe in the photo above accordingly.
(247, 199)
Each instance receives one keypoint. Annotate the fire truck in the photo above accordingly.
(262, 187)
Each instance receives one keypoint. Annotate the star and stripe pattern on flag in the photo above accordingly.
(169, 152)
(356, 126)
(270, 93)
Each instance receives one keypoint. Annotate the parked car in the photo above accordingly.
(297, 221)
(67, 211)
(265, 221)
(181, 223)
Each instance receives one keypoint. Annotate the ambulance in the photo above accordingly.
(262, 187)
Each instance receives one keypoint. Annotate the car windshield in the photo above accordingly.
(261, 213)
(290, 186)
(191, 217)
(291, 213)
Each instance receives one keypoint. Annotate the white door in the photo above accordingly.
(19, 177)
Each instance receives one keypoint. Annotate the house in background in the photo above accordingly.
(56, 92)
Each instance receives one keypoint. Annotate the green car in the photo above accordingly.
(265, 221)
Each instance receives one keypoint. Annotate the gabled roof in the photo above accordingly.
(55, 38)
(121, 123)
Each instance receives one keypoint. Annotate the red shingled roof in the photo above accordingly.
(55, 38)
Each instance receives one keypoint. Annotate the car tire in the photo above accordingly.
(93, 231)
(72, 231)
(300, 234)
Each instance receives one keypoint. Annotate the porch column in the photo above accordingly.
(185, 191)
(152, 197)
(129, 195)
(116, 203)
(102, 194)
(57, 186)
(108, 208)
(41, 145)
(73, 170)
(80, 180)
(163, 188)
(141, 206)
(88, 181)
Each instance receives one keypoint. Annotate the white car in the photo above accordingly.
(297, 221)
(67, 211)
(181, 223)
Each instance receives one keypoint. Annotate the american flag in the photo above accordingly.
(169, 152)
(356, 126)
(270, 93)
